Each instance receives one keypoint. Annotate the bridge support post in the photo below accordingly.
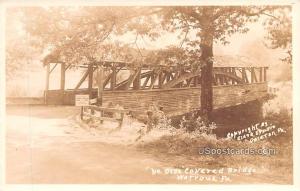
(62, 80)
(100, 85)
(47, 83)
(265, 73)
(113, 78)
(63, 76)
(90, 81)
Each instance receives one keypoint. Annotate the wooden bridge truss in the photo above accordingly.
(119, 76)
(176, 88)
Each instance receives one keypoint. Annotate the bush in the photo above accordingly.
(157, 119)
(191, 124)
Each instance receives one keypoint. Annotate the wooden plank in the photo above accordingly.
(100, 118)
(105, 109)
(108, 119)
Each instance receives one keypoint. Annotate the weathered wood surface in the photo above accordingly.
(104, 114)
(174, 101)
(161, 77)
(175, 88)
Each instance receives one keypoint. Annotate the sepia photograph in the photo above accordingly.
(148, 94)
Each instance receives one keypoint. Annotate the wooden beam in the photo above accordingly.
(265, 74)
(196, 80)
(146, 81)
(131, 78)
(47, 77)
(153, 79)
(62, 76)
(244, 75)
(53, 67)
(47, 84)
(260, 74)
(172, 76)
(137, 80)
(177, 73)
(233, 71)
(253, 75)
(189, 81)
(214, 80)
(90, 82)
(168, 77)
(100, 84)
(82, 79)
(221, 81)
(161, 79)
(107, 79)
(225, 80)
(113, 80)
(69, 65)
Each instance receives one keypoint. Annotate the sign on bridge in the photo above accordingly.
(82, 100)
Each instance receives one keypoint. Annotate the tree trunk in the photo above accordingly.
(206, 99)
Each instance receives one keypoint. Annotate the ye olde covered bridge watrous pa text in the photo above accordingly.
(175, 88)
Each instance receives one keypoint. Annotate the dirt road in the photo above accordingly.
(42, 148)
(45, 146)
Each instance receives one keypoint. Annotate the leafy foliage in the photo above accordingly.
(19, 51)
(279, 29)
(80, 34)
(214, 22)
(198, 125)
